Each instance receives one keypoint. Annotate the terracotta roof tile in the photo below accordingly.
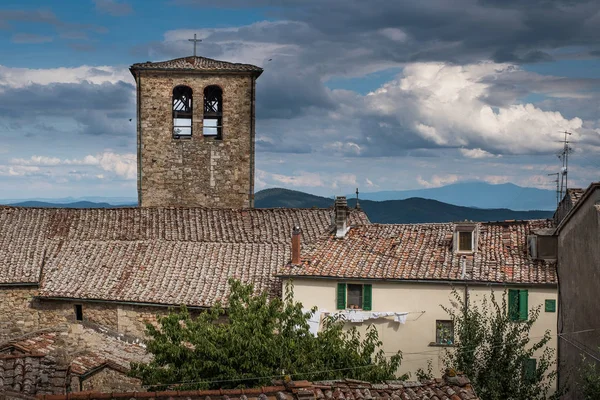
(197, 63)
(108, 350)
(448, 388)
(153, 255)
(424, 252)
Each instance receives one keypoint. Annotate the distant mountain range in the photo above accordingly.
(413, 210)
(76, 204)
(477, 194)
(410, 206)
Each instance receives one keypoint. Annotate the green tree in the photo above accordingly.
(254, 340)
(496, 352)
(590, 379)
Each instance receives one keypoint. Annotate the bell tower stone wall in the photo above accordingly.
(196, 171)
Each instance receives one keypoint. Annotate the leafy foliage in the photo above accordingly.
(254, 340)
(590, 379)
(495, 352)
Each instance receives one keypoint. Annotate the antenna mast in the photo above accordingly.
(564, 157)
(557, 180)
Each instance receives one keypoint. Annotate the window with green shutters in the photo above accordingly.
(354, 296)
(518, 308)
(529, 370)
(550, 305)
(367, 297)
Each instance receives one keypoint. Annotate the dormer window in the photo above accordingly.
(465, 238)
(542, 247)
(182, 112)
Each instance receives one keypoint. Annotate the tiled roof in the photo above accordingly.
(424, 252)
(201, 64)
(447, 388)
(108, 350)
(154, 255)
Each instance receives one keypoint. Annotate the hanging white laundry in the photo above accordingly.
(314, 321)
(358, 316)
(400, 317)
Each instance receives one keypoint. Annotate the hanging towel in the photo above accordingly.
(400, 317)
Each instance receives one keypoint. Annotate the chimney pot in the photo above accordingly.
(296, 235)
(341, 216)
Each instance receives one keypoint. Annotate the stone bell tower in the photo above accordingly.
(195, 133)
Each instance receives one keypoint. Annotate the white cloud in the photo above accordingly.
(305, 179)
(437, 181)
(477, 153)
(122, 165)
(395, 34)
(446, 106)
(18, 170)
(21, 77)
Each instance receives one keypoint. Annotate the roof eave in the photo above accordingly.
(425, 281)
(124, 302)
(255, 73)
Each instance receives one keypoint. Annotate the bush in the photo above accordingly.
(496, 352)
(262, 339)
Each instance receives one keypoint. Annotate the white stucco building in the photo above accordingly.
(398, 276)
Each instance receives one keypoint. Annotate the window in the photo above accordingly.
(444, 332)
(529, 369)
(354, 296)
(465, 237)
(213, 112)
(542, 247)
(465, 241)
(78, 312)
(182, 112)
(517, 304)
(550, 305)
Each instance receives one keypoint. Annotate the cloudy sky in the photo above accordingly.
(380, 95)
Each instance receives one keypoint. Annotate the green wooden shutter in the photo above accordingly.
(530, 369)
(513, 304)
(523, 307)
(341, 296)
(367, 297)
(550, 305)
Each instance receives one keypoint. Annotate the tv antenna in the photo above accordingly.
(557, 180)
(564, 157)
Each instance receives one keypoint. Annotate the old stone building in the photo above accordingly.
(396, 277)
(579, 273)
(69, 358)
(104, 273)
(117, 269)
(195, 133)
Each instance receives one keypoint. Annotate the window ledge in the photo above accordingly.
(434, 344)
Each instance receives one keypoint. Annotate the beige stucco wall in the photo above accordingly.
(422, 301)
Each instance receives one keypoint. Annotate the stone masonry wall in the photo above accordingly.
(20, 314)
(108, 380)
(16, 315)
(196, 171)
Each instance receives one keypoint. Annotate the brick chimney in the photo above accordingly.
(341, 216)
(296, 234)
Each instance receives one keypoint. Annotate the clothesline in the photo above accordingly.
(357, 316)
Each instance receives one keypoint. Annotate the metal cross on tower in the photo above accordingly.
(195, 41)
